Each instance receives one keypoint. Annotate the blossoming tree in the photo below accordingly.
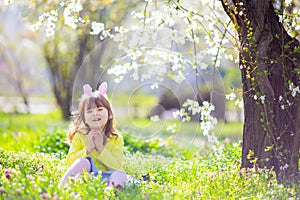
(264, 34)
(68, 38)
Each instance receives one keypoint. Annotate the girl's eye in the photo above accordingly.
(99, 109)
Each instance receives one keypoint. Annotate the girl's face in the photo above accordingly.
(96, 117)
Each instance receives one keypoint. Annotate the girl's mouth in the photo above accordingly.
(96, 119)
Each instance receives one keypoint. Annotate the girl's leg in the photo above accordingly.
(75, 169)
(117, 178)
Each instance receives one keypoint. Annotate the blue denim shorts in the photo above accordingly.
(96, 171)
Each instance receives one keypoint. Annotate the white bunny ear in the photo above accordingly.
(87, 90)
(103, 89)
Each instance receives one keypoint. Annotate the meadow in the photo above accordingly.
(33, 151)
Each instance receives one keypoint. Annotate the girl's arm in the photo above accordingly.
(112, 154)
(77, 150)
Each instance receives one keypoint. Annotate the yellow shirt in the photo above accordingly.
(110, 158)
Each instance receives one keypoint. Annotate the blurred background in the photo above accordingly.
(44, 76)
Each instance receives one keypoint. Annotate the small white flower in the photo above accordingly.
(294, 89)
(263, 98)
(49, 32)
(62, 4)
(239, 103)
(96, 28)
(179, 77)
(154, 118)
(212, 138)
(284, 167)
(280, 18)
(172, 128)
(154, 86)
(176, 114)
(231, 96)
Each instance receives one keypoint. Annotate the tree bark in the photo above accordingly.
(269, 62)
(64, 71)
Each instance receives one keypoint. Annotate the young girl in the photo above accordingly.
(94, 144)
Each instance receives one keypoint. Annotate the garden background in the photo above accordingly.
(158, 112)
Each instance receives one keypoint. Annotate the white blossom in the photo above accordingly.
(172, 128)
(263, 98)
(282, 168)
(96, 28)
(105, 34)
(231, 96)
(192, 105)
(280, 17)
(182, 114)
(212, 138)
(154, 118)
(179, 77)
(294, 89)
(239, 103)
(154, 86)
(138, 15)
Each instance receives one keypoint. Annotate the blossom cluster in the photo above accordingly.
(262, 98)
(232, 97)
(207, 121)
(172, 128)
(290, 17)
(137, 63)
(47, 19)
(294, 89)
(284, 101)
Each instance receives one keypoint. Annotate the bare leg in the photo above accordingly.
(75, 169)
(117, 178)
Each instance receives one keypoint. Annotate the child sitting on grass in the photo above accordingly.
(94, 144)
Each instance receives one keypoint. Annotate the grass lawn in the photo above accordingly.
(32, 154)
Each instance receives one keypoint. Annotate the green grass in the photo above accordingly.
(32, 163)
(217, 176)
(26, 122)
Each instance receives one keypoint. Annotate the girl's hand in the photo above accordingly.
(98, 140)
(91, 144)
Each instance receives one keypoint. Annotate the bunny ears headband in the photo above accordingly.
(88, 91)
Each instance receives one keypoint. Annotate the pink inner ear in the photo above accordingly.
(87, 90)
(103, 88)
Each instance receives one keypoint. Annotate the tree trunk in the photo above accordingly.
(63, 72)
(269, 62)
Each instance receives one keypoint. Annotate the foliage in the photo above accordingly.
(216, 176)
(34, 133)
(27, 173)
(270, 78)
(54, 142)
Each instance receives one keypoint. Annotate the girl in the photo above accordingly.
(94, 144)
